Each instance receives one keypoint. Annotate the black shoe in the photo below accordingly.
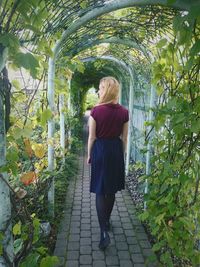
(108, 226)
(105, 240)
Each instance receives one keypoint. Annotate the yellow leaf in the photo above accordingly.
(28, 148)
(39, 150)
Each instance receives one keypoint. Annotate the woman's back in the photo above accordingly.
(109, 120)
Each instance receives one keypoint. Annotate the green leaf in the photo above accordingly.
(162, 43)
(17, 229)
(158, 246)
(27, 61)
(83, 4)
(18, 245)
(31, 260)
(195, 48)
(45, 116)
(9, 40)
(12, 154)
(49, 261)
(16, 84)
(144, 216)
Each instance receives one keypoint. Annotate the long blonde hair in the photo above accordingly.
(111, 90)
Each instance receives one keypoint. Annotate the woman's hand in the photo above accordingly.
(88, 160)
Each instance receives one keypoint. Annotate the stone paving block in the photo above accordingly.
(123, 255)
(111, 250)
(112, 260)
(122, 209)
(85, 226)
(98, 263)
(85, 259)
(126, 263)
(95, 237)
(76, 212)
(118, 230)
(75, 218)
(62, 235)
(61, 242)
(134, 248)
(137, 258)
(72, 263)
(74, 237)
(131, 240)
(98, 255)
(86, 249)
(142, 236)
(85, 220)
(127, 226)
(85, 233)
(74, 230)
(116, 224)
(73, 245)
(95, 245)
(95, 230)
(125, 220)
(60, 251)
(119, 238)
(73, 255)
(129, 233)
(121, 246)
(140, 265)
(85, 241)
(145, 244)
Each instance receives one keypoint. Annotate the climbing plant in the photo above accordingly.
(173, 198)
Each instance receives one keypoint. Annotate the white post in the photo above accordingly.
(62, 125)
(148, 154)
(130, 121)
(51, 126)
(69, 104)
(5, 204)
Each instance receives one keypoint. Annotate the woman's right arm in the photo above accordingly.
(124, 136)
(91, 137)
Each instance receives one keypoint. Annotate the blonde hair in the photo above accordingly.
(111, 90)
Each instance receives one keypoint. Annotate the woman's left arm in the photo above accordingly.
(91, 137)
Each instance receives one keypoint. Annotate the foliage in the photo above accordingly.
(91, 100)
(173, 199)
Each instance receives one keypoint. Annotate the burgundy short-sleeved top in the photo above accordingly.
(109, 119)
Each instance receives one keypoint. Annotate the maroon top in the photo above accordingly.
(109, 119)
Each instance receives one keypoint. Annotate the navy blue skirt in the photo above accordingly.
(107, 166)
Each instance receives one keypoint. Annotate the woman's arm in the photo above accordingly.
(91, 137)
(124, 135)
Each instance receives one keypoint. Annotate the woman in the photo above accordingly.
(108, 127)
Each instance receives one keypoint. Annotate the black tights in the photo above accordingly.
(104, 206)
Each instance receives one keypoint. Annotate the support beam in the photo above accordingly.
(62, 125)
(112, 40)
(51, 126)
(115, 5)
(130, 126)
(149, 147)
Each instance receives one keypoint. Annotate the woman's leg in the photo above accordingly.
(101, 211)
(102, 217)
(110, 200)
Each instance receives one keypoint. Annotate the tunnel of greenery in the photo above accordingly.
(51, 54)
